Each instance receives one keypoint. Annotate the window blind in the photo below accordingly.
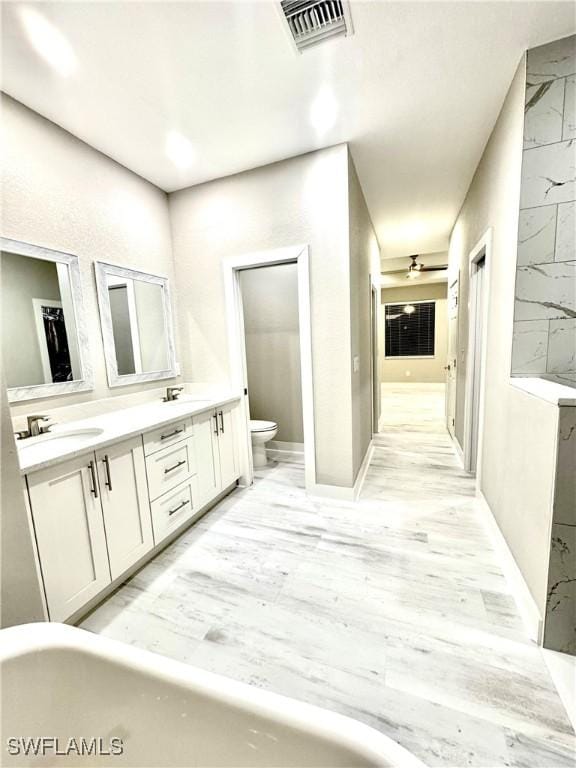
(410, 334)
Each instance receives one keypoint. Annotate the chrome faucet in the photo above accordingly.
(34, 427)
(172, 394)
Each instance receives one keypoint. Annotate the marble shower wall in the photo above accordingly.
(545, 303)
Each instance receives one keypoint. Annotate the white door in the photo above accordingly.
(206, 432)
(70, 533)
(124, 494)
(227, 446)
(452, 355)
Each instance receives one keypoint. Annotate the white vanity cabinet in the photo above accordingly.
(122, 481)
(216, 451)
(97, 515)
(70, 534)
(206, 444)
(227, 448)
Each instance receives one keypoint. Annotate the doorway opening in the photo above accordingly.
(273, 371)
(413, 355)
(269, 331)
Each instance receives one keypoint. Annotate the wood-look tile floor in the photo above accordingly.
(393, 610)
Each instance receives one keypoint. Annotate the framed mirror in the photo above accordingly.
(137, 326)
(44, 337)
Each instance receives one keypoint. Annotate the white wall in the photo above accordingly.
(60, 193)
(303, 200)
(420, 369)
(518, 460)
(364, 262)
(270, 301)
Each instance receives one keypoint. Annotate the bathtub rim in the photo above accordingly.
(341, 730)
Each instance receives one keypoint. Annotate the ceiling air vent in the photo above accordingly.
(313, 21)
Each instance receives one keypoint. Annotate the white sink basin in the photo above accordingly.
(35, 448)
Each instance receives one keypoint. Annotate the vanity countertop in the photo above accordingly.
(75, 438)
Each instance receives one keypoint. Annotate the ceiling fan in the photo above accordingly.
(416, 268)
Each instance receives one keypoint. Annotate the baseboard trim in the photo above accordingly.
(562, 668)
(345, 492)
(520, 591)
(338, 492)
(282, 445)
(361, 476)
(457, 448)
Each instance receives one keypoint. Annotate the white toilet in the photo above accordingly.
(262, 432)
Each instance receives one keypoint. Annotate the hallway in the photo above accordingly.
(392, 610)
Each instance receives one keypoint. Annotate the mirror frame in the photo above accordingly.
(34, 391)
(102, 269)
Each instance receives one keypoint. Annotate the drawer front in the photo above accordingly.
(173, 508)
(167, 435)
(168, 468)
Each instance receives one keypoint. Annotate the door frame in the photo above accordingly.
(375, 300)
(452, 361)
(232, 266)
(482, 249)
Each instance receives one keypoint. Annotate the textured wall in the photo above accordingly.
(519, 430)
(270, 301)
(545, 311)
(424, 369)
(364, 261)
(299, 201)
(60, 193)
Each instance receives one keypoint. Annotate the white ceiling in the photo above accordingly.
(417, 89)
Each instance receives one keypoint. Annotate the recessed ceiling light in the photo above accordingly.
(49, 42)
(179, 150)
(324, 111)
(409, 309)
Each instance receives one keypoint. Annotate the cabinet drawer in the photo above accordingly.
(167, 435)
(169, 467)
(174, 508)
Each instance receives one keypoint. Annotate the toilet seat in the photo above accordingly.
(257, 425)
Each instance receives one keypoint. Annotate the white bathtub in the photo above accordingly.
(84, 693)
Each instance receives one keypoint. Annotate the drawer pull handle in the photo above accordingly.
(171, 434)
(221, 421)
(179, 507)
(106, 462)
(215, 417)
(171, 469)
(94, 488)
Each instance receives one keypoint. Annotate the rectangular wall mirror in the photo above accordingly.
(137, 329)
(44, 340)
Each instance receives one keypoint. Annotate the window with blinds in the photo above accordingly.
(410, 333)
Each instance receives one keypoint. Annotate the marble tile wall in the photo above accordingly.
(544, 340)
